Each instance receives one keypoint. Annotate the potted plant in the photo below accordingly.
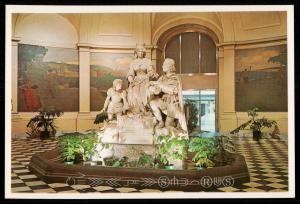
(116, 161)
(43, 123)
(147, 161)
(86, 146)
(192, 115)
(170, 148)
(204, 149)
(121, 162)
(68, 147)
(255, 124)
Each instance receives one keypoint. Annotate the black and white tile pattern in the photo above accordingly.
(267, 162)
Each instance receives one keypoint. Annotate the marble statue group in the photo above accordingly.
(151, 105)
(148, 93)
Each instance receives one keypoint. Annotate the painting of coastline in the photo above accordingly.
(47, 76)
(261, 79)
(105, 67)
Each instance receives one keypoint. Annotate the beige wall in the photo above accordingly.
(115, 30)
(117, 33)
(230, 27)
(229, 119)
(112, 33)
(45, 29)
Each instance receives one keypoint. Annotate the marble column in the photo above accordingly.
(84, 119)
(228, 82)
(18, 124)
(84, 80)
(227, 116)
(221, 79)
(14, 75)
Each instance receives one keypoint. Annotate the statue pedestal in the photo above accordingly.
(130, 135)
(110, 135)
(178, 164)
(135, 129)
(132, 151)
(133, 135)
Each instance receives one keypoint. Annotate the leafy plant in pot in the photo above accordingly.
(43, 123)
(87, 146)
(69, 147)
(255, 124)
(117, 161)
(147, 161)
(203, 148)
(170, 148)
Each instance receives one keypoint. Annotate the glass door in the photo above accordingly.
(205, 103)
(208, 110)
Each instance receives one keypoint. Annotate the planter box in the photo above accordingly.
(48, 166)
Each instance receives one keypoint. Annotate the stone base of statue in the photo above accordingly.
(135, 134)
(110, 133)
(132, 151)
(131, 135)
(135, 129)
(128, 129)
(161, 131)
(178, 164)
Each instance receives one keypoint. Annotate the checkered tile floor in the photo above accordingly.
(267, 164)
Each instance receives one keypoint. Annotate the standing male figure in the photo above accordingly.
(171, 101)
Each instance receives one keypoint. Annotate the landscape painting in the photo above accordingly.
(261, 79)
(105, 67)
(47, 76)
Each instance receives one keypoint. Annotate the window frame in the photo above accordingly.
(169, 34)
(179, 36)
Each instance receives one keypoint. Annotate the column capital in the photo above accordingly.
(84, 49)
(15, 40)
(228, 47)
(156, 47)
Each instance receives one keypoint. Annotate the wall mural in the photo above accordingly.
(261, 78)
(105, 67)
(47, 76)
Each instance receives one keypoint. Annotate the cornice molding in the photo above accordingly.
(257, 41)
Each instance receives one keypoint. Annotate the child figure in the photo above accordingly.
(116, 102)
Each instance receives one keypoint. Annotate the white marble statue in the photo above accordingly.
(140, 72)
(116, 100)
(171, 102)
(139, 117)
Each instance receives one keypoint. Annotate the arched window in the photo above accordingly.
(193, 52)
(194, 49)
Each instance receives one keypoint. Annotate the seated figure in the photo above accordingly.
(116, 102)
(170, 103)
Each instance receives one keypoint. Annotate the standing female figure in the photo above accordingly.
(140, 72)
